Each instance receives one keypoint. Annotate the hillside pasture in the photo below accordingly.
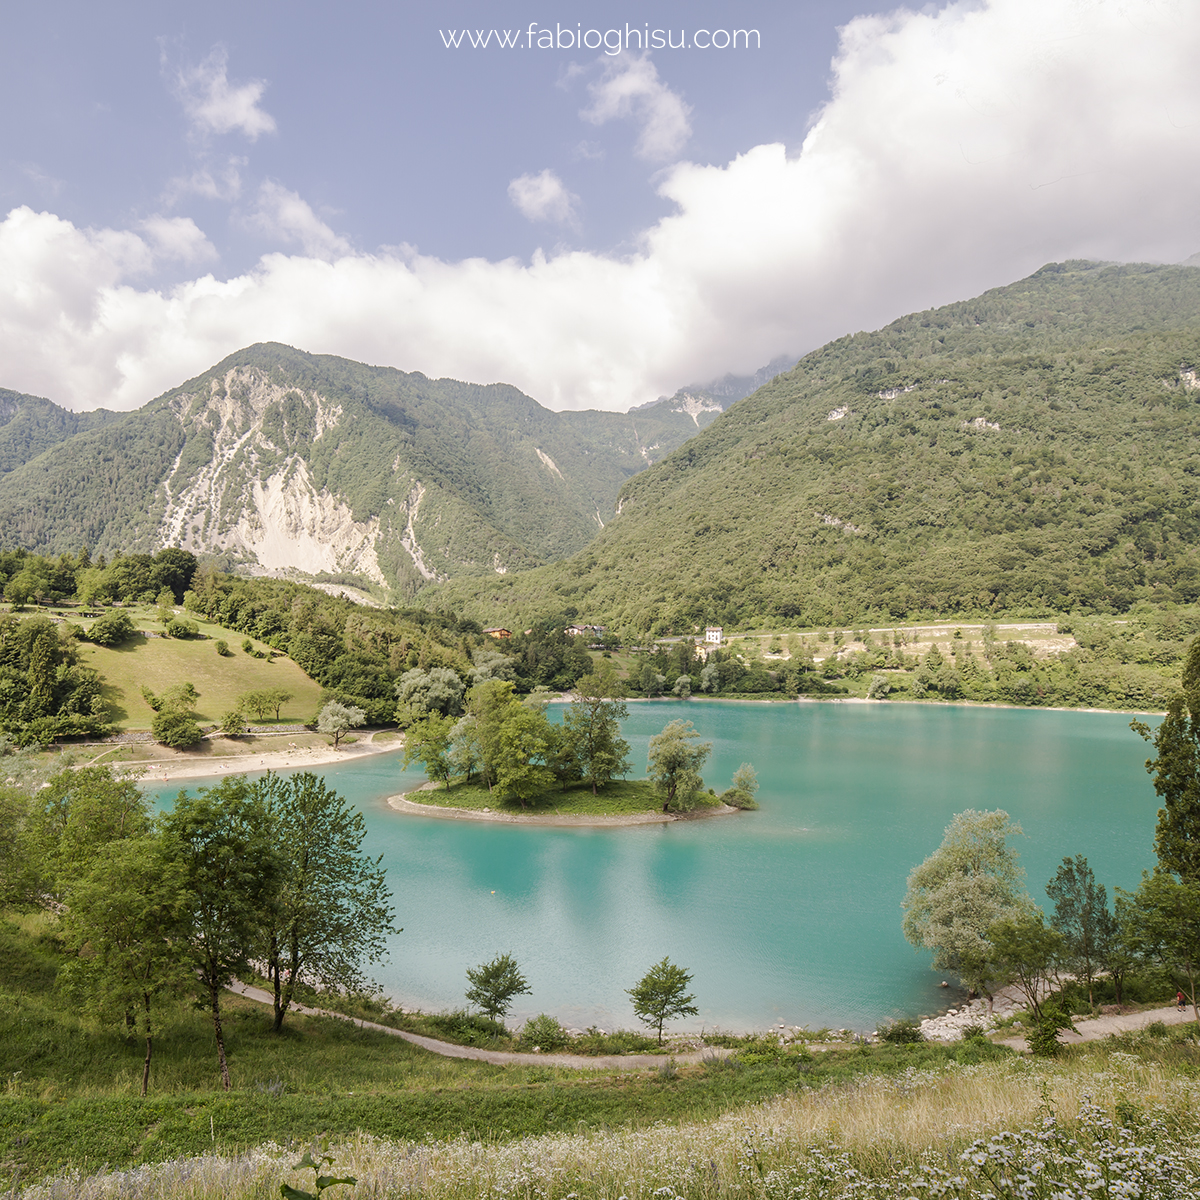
(160, 663)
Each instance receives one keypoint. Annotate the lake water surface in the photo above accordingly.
(791, 913)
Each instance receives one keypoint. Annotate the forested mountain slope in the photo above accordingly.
(30, 425)
(282, 461)
(1037, 447)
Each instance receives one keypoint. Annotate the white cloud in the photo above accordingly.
(224, 183)
(629, 88)
(960, 149)
(283, 216)
(216, 106)
(178, 239)
(543, 197)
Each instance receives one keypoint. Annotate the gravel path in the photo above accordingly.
(1091, 1029)
(605, 1062)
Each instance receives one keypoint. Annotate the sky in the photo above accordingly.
(597, 202)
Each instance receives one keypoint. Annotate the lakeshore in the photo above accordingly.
(402, 804)
(169, 765)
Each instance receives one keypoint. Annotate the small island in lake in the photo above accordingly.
(506, 761)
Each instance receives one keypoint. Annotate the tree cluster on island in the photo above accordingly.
(267, 874)
(487, 731)
(966, 902)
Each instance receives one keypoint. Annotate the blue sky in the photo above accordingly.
(598, 228)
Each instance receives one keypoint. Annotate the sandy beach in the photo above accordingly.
(180, 764)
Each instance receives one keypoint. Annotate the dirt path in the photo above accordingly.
(1092, 1029)
(585, 1062)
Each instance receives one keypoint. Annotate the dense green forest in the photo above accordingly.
(30, 425)
(1030, 451)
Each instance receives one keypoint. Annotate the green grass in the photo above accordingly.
(161, 663)
(71, 1086)
(621, 797)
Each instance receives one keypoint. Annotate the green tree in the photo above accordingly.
(1176, 771)
(674, 764)
(683, 687)
(1027, 952)
(338, 719)
(279, 697)
(419, 693)
(258, 703)
(427, 741)
(464, 752)
(233, 724)
(1162, 921)
(494, 984)
(170, 727)
(1082, 916)
(224, 844)
(331, 912)
(527, 742)
(661, 995)
(744, 788)
(961, 890)
(111, 629)
(490, 703)
(123, 918)
(593, 725)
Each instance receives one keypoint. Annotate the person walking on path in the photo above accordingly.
(1180, 1002)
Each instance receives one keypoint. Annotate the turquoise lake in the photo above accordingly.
(791, 913)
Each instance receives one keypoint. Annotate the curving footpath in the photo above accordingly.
(585, 1062)
(1092, 1029)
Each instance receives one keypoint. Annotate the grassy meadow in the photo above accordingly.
(619, 797)
(161, 663)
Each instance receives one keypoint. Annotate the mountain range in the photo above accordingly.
(280, 461)
(1035, 449)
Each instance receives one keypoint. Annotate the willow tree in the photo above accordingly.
(965, 887)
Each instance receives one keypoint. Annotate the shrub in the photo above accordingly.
(233, 724)
(111, 628)
(247, 645)
(176, 729)
(1043, 1038)
(182, 628)
(544, 1031)
(902, 1032)
(468, 1029)
(222, 648)
(736, 798)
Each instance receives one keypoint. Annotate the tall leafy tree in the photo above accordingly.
(970, 882)
(124, 918)
(224, 842)
(661, 994)
(593, 725)
(1027, 952)
(331, 912)
(527, 743)
(675, 759)
(1162, 921)
(338, 719)
(428, 741)
(1082, 916)
(1176, 771)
